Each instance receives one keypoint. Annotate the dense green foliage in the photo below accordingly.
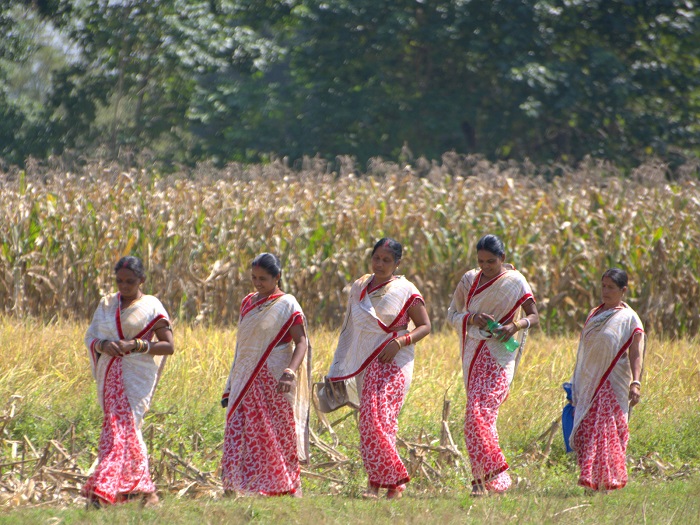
(231, 80)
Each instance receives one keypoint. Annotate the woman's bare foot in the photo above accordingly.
(150, 500)
(479, 491)
(370, 493)
(394, 494)
(297, 493)
(93, 502)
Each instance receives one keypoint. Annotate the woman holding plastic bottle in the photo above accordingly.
(487, 309)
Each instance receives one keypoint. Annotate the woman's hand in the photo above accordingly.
(110, 348)
(389, 353)
(285, 383)
(506, 332)
(481, 320)
(125, 347)
(635, 394)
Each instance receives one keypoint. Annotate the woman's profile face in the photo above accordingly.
(263, 282)
(611, 293)
(383, 263)
(490, 264)
(128, 282)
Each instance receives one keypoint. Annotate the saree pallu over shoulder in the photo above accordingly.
(500, 297)
(603, 355)
(261, 328)
(369, 325)
(141, 372)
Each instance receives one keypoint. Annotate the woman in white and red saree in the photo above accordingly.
(605, 385)
(385, 317)
(267, 391)
(128, 341)
(494, 293)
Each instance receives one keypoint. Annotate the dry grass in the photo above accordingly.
(45, 366)
(61, 232)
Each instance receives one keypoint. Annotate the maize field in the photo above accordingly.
(197, 231)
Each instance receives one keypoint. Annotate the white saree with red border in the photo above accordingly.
(125, 387)
(487, 366)
(600, 392)
(374, 317)
(267, 433)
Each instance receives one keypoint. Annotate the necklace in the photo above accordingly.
(483, 279)
(373, 286)
(264, 303)
(123, 305)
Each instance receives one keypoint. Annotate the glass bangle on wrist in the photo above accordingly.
(635, 383)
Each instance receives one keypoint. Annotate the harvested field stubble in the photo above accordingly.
(50, 419)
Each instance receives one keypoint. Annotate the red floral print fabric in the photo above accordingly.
(383, 394)
(122, 457)
(600, 443)
(488, 388)
(260, 447)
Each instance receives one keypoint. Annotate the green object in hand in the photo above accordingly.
(511, 344)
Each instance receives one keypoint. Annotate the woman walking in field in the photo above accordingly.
(605, 385)
(128, 341)
(496, 292)
(385, 317)
(267, 391)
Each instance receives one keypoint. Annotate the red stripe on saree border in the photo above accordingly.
(260, 364)
(464, 331)
(509, 316)
(93, 352)
(484, 286)
(472, 290)
(150, 325)
(246, 308)
(476, 353)
(615, 360)
(406, 306)
(118, 316)
(109, 365)
(366, 363)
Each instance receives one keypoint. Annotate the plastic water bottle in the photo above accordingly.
(511, 344)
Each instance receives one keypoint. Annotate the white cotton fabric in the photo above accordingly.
(258, 329)
(140, 372)
(366, 330)
(603, 337)
(499, 298)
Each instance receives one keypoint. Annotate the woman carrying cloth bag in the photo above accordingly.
(267, 391)
(495, 293)
(385, 317)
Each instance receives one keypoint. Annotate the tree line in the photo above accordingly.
(230, 80)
